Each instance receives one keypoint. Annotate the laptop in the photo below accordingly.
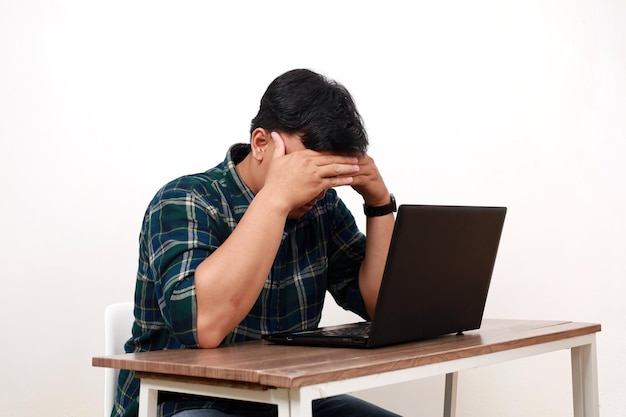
(435, 281)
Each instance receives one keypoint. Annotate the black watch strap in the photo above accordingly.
(381, 210)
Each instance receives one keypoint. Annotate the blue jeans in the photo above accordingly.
(340, 405)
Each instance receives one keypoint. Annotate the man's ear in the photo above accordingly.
(259, 140)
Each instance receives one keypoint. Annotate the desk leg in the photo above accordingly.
(301, 402)
(283, 405)
(585, 380)
(449, 401)
(148, 398)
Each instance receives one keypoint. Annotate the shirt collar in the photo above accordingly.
(236, 154)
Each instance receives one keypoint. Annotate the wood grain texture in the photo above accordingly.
(264, 364)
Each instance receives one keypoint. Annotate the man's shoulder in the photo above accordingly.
(200, 185)
(191, 182)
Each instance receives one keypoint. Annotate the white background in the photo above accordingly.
(520, 104)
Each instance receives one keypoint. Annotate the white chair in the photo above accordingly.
(118, 321)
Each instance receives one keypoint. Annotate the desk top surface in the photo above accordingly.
(267, 364)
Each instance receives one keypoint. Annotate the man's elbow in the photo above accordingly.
(209, 338)
(210, 331)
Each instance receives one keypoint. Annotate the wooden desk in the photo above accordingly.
(292, 377)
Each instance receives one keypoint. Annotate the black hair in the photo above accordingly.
(322, 111)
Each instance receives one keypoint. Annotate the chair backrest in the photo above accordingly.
(118, 321)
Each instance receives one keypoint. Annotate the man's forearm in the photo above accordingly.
(230, 280)
(378, 236)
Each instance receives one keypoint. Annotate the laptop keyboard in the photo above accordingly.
(360, 330)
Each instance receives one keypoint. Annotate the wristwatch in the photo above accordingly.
(381, 210)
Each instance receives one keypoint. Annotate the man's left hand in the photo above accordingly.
(369, 183)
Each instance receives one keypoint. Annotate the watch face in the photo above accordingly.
(393, 202)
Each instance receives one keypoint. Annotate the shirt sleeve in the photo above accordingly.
(180, 231)
(346, 253)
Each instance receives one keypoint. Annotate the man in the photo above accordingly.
(252, 245)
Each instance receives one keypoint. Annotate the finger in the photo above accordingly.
(279, 145)
(336, 161)
(366, 162)
(339, 181)
(340, 170)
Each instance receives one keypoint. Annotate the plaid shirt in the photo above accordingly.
(191, 217)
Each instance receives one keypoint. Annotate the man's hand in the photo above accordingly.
(369, 183)
(298, 178)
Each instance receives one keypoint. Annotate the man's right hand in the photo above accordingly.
(297, 177)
